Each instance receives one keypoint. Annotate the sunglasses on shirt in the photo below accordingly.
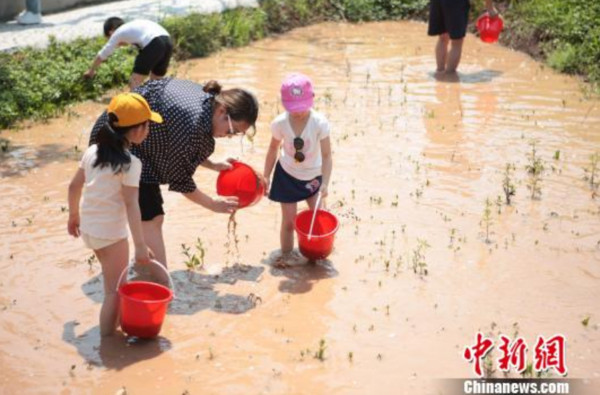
(298, 145)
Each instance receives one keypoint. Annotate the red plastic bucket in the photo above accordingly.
(321, 243)
(489, 28)
(143, 306)
(241, 181)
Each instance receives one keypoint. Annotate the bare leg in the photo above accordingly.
(454, 55)
(312, 201)
(113, 260)
(154, 239)
(136, 80)
(288, 213)
(156, 77)
(441, 51)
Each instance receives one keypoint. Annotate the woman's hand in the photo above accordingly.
(226, 165)
(224, 205)
(73, 225)
(493, 12)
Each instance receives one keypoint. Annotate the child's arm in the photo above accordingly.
(327, 165)
(75, 188)
(270, 162)
(113, 42)
(490, 8)
(92, 70)
(134, 217)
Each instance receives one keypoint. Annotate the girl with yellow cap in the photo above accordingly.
(111, 176)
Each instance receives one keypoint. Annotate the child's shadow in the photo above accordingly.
(195, 291)
(300, 272)
(113, 352)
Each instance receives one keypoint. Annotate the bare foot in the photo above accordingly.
(280, 263)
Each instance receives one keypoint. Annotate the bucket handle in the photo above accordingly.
(157, 263)
(312, 222)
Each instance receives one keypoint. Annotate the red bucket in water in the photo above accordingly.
(321, 243)
(143, 306)
(241, 181)
(489, 28)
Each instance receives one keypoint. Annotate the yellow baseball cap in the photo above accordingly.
(132, 109)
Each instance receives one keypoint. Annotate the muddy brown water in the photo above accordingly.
(414, 159)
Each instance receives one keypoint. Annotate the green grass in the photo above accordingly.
(565, 33)
(39, 83)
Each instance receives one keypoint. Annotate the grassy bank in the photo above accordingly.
(40, 83)
(565, 33)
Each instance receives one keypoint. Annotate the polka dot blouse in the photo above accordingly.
(174, 149)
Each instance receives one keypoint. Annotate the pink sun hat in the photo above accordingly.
(297, 93)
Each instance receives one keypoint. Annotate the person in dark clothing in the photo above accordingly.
(448, 19)
(194, 115)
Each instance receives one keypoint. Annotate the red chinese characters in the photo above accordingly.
(513, 354)
(551, 353)
(478, 352)
(548, 354)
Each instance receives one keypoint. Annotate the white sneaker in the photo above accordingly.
(29, 18)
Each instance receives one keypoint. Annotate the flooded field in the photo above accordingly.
(421, 263)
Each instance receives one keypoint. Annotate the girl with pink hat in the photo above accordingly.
(303, 169)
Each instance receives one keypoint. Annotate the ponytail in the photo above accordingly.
(112, 143)
(212, 87)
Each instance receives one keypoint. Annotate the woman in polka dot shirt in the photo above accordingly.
(194, 115)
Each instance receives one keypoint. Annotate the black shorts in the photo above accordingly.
(287, 189)
(151, 201)
(449, 16)
(154, 57)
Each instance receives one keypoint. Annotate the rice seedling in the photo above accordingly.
(507, 183)
(320, 353)
(585, 322)
(499, 204)
(194, 261)
(90, 261)
(534, 168)
(419, 264)
(253, 299)
(486, 220)
(591, 171)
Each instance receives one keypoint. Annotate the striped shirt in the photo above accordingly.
(174, 149)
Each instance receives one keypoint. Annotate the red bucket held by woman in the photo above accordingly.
(320, 244)
(241, 181)
(489, 28)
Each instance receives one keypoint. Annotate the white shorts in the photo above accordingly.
(96, 243)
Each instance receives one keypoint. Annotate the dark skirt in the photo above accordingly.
(287, 189)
